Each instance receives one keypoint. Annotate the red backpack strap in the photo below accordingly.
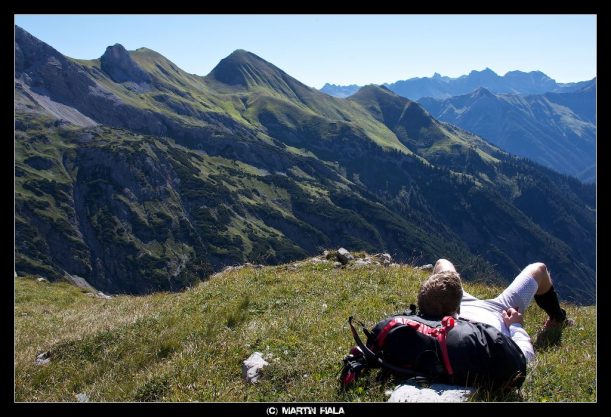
(384, 332)
(440, 333)
(391, 324)
(448, 323)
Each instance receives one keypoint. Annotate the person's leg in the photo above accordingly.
(547, 299)
(534, 282)
(520, 293)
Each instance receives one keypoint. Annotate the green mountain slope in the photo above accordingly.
(140, 214)
(189, 346)
(185, 174)
(417, 130)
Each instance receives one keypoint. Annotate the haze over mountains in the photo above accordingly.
(526, 114)
(138, 177)
(441, 87)
(557, 130)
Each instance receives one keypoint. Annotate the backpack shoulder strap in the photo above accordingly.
(369, 354)
(439, 330)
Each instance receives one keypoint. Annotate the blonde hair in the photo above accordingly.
(440, 294)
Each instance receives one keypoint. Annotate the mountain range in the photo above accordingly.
(137, 177)
(442, 87)
(557, 130)
(527, 114)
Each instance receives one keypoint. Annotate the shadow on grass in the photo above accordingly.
(548, 338)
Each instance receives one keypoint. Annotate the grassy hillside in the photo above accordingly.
(189, 346)
(139, 214)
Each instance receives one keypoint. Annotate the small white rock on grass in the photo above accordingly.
(252, 366)
(43, 358)
(436, 393)
(82, 397)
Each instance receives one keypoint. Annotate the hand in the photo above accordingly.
(512, 316)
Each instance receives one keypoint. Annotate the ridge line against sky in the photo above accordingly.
(341, 49)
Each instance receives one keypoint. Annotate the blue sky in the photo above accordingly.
(341, 49)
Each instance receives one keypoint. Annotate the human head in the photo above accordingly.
(440, 294)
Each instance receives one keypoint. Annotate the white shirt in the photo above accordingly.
(484, 312)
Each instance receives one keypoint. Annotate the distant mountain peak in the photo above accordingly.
(243, 56)
(31, 51)
(331, 85)
(243, 68)
(374, 90)
(375, 87)
(119, 65)
(485, 72)
(482, 92)
(241, 52)
(539, 75)
(341, 91)
(393, 110)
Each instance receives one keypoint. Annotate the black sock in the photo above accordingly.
(550, 304)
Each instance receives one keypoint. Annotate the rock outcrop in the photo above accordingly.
(344, 256)
(119, 65)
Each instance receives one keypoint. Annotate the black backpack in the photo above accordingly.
(446, 350)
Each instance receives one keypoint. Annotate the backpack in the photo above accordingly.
(452, 351)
